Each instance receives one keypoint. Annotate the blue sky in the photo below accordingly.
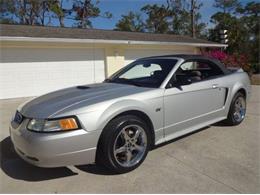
(119, 7)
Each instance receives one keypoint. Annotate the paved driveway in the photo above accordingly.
(217, 159)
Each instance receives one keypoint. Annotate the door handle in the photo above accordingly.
(214, 86)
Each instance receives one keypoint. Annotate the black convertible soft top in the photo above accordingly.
(188, 57)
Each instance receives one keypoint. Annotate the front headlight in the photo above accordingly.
(52, 125)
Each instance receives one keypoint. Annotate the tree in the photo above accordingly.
(224, 20)
(6, 11)
(85, 10)
(243, 29)
(197, 27)
(56, 7)
(226, 5)
(131, 22)
(237, 34)
(21, 10)
(30, 12)
(250, 18)
(158, 18)
(34, 12)
(182, 17)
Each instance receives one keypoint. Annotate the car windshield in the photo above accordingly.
(144, 73)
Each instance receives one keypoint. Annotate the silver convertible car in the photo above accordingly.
(115, 123)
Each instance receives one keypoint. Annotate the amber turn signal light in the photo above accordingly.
(68, 124)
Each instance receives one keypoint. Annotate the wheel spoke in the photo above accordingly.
(125, 135)
(128, 156)
(137, 134)
(242, 112)
(237, 116)
(138, 147)
(120, 150)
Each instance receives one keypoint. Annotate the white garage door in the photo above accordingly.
(32, 72)
(133, 54)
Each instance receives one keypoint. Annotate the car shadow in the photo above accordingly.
(221, 124)
(13, 166)
(96, 169)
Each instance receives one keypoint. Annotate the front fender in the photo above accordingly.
(119, 107)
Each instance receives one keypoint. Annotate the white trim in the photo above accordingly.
(68, 40)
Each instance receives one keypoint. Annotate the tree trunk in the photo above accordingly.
(61, 17)
(193, 33)
(61, 20)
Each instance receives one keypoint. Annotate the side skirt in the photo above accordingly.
(189, 130)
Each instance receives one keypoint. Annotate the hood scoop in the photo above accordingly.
(82, 87)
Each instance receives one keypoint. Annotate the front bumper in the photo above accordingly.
(54, 149)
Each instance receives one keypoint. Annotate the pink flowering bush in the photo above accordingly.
(230, 60)
(217, 54)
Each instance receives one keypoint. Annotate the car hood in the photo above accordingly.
(48, 105)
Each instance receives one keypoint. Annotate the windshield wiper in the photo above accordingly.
(128, 81)
(134, 83)
(107, 80)
(122, 81)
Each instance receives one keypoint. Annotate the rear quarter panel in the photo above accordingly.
(235, 82)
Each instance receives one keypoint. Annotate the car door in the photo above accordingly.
(193, 97)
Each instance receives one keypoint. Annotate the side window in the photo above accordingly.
(195, 71)
(195, 66)
(187, 66)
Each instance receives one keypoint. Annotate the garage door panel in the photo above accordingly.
(17, 82)
(49, 54)
(35, 78)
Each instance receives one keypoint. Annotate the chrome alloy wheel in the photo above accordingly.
(130, 145)
(240, 109)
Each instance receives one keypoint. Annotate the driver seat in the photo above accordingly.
(196, 76)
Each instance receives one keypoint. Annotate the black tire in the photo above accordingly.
(231, 120)
(105, 151)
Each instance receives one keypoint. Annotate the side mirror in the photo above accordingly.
(178, 82)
